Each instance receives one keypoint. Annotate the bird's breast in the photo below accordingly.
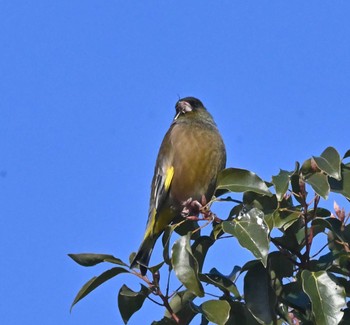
(197, 158)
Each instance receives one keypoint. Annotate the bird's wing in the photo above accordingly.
(160, 190)
(162, 185)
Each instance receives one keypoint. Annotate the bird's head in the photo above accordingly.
(189, 107)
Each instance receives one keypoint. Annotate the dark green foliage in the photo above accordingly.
(277, 222)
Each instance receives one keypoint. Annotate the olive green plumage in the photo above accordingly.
(190, 157)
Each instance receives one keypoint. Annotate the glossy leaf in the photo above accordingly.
(295, 181)
(259, 295)
(281, 265)
(186, 266)
(241, 180)
(155, 268)
(200, 248)
(240, 315)
(295, 297)
(342, 186)
(347, 154)
(308, 168)
(327, 297)
(319, 183)
(130, 301)
(251, 231)
(180, 304)
(324, 263)
(95, 282)
(345, 284)
(216, 311)
(320, 212)
(220, 281)
(329, 162)
(250, 265)
(265, 203)
(90, 259)
(166, 243)
(281, 183)
(232, 276)
(285, 217)
(346, 318)
(288, 241)
(332, 224)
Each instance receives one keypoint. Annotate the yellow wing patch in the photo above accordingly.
(155, 225)
(150, 227)
(168, 177)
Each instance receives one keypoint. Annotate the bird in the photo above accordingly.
(189, 160)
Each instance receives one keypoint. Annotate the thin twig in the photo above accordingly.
(168, 283)
(165, 299)
(322, 248)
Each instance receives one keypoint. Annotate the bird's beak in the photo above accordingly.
(182, 107)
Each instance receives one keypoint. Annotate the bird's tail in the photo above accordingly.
(143, 255)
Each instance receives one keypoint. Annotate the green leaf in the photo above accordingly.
(332, 224)
(130, 301)
(345, 284)
(220, 281)
(180, 304)
(186, 266)
(295, 297)
(342, 186)
(259, 295)
(309, 167)
(319, 183)
(200, 248)
(249, 265)
(93, 283)
(90, 259)
(281, 265)
(327, 297)
(281, 182)
(329, 162)
(262, 202)
(241, 180)
(346, 318)
(320, 212)
(216, 311)
(155, 268)
(267, 204)
(251, 231)
(233, 275)
(323, 263)
(344, 261)
(285, 217)
(240, 315)
(166, 242)
(288, 241)
(295, 181)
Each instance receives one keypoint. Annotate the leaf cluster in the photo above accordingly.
(277, 222)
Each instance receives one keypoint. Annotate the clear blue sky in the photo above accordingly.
(87, 91)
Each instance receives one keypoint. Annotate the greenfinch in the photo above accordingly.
(190, 157)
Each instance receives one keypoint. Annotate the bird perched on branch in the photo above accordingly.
(190, 157)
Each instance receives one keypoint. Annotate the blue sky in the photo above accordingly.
(87, 92)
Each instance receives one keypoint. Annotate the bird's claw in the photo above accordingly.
(192, 208)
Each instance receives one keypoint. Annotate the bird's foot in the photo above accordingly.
(192, 209)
